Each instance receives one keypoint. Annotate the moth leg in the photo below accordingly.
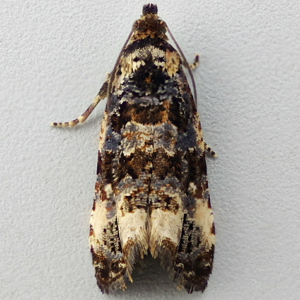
(210, 151)
(101, 95)
(195, 64)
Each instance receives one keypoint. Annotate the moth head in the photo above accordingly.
(149, 9)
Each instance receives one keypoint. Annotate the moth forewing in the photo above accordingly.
(151, 192)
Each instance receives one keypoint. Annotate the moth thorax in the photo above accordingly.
(149, 25)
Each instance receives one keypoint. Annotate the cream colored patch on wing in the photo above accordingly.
(173, 62)
(132, 226)
(99, 222)
(204, 219)
(165, 222)
(192, 188)
(168, 60)
(164, 225)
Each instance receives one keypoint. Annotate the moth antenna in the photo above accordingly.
(185, 63)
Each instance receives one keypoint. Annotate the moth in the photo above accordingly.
(151, 192)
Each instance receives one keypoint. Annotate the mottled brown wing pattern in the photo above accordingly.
(151, 193)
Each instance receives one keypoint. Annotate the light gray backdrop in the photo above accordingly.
(54, 58)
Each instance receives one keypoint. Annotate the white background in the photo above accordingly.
(54, 58)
